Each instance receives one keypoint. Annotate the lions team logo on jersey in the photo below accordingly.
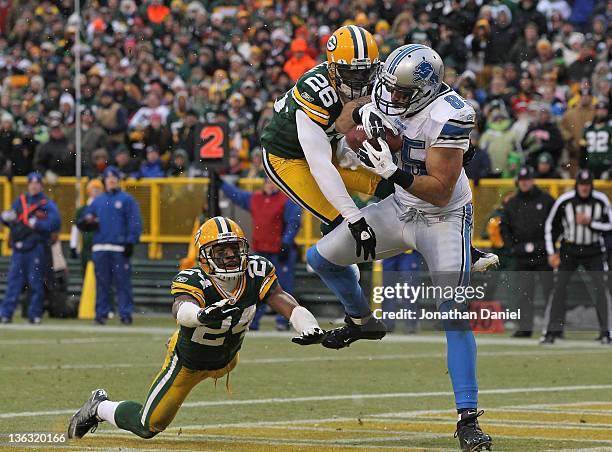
(426, 73)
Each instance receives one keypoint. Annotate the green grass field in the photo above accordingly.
(391, 395)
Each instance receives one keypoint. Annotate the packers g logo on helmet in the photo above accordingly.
(222, 247)
(352, 57)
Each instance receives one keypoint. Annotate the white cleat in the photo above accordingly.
(484, 261)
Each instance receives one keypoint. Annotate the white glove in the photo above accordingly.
(32, 222)
(347, 158)
(374, 121)
(379, 162)
(8, 216)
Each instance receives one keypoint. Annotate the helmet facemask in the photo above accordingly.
(396, 100)
(354, 80)
(225, 258)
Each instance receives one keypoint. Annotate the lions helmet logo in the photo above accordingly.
(426, 73)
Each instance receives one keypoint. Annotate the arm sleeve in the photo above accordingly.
(318, 154)
(292, 216)
(603, 224)
(552, 227)
(134, 222)
(239, 197)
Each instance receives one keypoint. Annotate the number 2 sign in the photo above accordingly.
(213, 145)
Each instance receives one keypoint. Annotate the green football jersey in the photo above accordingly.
(314, 95)
(598, 139)
(212, 347)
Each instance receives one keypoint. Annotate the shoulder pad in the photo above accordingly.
(192, 281)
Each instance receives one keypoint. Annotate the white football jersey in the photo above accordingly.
(446, 122)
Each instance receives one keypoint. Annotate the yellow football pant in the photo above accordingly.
(293, 177)
(166, 395)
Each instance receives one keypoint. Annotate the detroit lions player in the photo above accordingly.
(431, 210)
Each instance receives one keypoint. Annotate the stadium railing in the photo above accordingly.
(170, 205)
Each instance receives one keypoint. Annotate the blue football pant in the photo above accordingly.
(113, 267)
(31, 267)
(444, 242)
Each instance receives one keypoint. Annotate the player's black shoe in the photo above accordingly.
(604, 338)
(471, 437)
(373, 329)
(522, 334)
(86, 419)
(549, 338)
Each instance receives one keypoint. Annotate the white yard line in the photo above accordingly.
(392, 338)
(297, 359)
(353, 397)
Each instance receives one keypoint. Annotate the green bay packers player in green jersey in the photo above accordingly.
(300, 139)
(214, 303)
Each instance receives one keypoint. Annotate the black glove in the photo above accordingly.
(216, 312)
(364, 237)
(314, 336)
(128, 249)
(73, 253)
(88, 223)
(283, 254)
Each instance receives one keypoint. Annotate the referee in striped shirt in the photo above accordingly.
(580, 218)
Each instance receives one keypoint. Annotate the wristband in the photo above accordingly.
(302, 320)
(356, 115)
(402, 178)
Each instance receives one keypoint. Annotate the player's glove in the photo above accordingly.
(309, 337)
(88, 223)
(364, 237)
(374, 121)
(8, 216)
(216, 312)
(379, 162)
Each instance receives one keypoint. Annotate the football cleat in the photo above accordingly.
(86, 419)
(482, 261)
(471, 437)
(344, 336)
(522, 334)
(604, 338)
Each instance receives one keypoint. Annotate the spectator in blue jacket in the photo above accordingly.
(152, 167)
(115, 218)
(32, 219)
(275, 223)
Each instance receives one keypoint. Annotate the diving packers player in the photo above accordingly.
(214, 303)
(299, 141)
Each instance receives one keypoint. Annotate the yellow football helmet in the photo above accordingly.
(222, 247)
(352, 57)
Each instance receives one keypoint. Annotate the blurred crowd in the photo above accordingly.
(154, 71)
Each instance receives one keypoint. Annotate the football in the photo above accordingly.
(357, 135)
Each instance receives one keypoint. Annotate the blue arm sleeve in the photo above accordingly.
(52, 222)
(292, 216)
(239, 197)
(134, 221)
